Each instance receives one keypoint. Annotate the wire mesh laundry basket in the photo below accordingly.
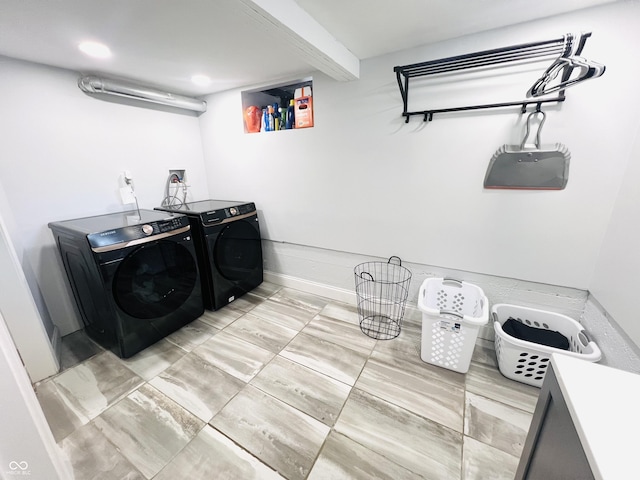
(381, 292)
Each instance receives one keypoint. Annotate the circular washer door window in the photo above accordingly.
(155, 280)
(237, 251)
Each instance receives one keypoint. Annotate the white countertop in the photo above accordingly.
(605, 407)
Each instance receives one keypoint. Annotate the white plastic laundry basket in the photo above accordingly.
(452, 314)
(527, 362)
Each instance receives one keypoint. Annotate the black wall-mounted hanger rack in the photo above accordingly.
(558, 47)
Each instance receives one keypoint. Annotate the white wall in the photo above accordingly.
(616, 283)
(27, 446)
(14, 238)
(18, 307)
(62, 156)
(363, 181)
(619, 349)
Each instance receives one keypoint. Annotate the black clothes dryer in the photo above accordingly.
(134, 276)
(227, 238)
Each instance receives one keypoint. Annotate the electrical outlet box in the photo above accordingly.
(127, 196)
(179, 173)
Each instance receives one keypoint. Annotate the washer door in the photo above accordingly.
(155, 280)
(237, 251)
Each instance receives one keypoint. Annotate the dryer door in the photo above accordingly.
(237, 252)
(154, 280)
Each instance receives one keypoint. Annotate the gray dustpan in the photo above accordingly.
(525, 166)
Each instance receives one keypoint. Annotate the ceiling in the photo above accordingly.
(237, 43)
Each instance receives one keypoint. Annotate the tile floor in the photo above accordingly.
(283, 384)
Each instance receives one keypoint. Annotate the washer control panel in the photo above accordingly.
(134, 232)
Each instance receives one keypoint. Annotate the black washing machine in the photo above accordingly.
(227, 238)
(134, 276)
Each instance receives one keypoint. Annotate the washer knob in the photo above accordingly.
(147, 229)
(233, 211)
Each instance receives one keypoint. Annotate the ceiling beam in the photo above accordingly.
(290, 25)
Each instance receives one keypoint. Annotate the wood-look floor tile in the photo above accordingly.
(341, 311)
(343, 459)
(265, 289)
(311, 392)
(61, 416)
(418, 444)
(93, 456)
(483, 462)
(278, 434)
(235, 356)
(412, 317)
(426, 390)
(154, 359)
(301, 300)
(82, 392)
(394, 424)
(484, 352)
(192, 335)
(213, 456)
(148, 428)
(405, 346)
(341, 333)
(496, 424)
(220, 318)
(487, 381)
(262, 332)
(289, 316)
(328, 358)
(76, 348)
(245, 303)
(197, 386)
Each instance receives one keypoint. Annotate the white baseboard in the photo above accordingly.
(328, 291)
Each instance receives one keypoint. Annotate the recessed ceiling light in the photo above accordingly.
(201, 80)
(95, 49)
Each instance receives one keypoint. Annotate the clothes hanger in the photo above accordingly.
(568, 62)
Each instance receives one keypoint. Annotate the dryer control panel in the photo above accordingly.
(217, 216)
